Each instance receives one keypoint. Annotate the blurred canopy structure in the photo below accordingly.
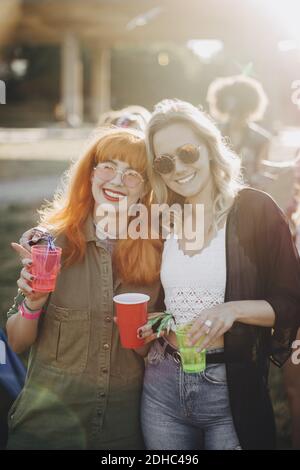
(247, 27)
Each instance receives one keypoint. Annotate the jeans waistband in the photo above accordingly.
(213, 356)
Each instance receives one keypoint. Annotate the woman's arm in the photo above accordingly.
(253, 312)
(221, 318)
(21, 331)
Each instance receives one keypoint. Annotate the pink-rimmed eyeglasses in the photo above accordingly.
(107, 172)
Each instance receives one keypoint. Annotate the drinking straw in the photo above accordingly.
(50, 243)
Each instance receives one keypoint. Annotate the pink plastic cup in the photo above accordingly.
(131, 312)
(45, 267)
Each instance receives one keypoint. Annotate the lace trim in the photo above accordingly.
(186, 303)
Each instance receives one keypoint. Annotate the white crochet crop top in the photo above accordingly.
(192, 283)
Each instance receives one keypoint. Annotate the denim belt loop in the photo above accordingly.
(164, 345)
(175, 355)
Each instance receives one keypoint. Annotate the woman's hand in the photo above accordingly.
(32, 236)
(146, 332)
(34, 300)
(212, 323)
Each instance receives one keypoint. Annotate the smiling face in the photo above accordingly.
(114, 191)
(186, 179)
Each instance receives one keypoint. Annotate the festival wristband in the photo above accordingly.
(29, 316)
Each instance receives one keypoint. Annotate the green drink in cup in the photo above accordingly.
(192, 361)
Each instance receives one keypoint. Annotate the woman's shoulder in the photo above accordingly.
(255, 199)
(258, 205)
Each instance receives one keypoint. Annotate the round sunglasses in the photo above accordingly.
(107, 172)
(187, 154)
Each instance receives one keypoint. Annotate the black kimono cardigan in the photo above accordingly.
(262, 264)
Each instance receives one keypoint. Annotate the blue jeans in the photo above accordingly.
(180, 411)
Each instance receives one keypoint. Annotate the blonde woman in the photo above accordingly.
(241, 291)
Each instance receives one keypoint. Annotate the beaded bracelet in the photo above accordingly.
(29, 316)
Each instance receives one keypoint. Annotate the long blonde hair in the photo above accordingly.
(225, 164)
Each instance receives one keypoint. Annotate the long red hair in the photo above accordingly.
(135, 261)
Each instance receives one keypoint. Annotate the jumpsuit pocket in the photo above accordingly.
(63, 341)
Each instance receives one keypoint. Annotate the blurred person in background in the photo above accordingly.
(237, 102)
(12, 378)
(291, 377)
(134, 116)
(291, 372)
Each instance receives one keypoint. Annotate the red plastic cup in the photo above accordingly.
(45, 267)
(131, 312)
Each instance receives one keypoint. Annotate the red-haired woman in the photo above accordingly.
(83, 389)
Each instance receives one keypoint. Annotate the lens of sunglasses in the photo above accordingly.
(163, 164)
(189, 153)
